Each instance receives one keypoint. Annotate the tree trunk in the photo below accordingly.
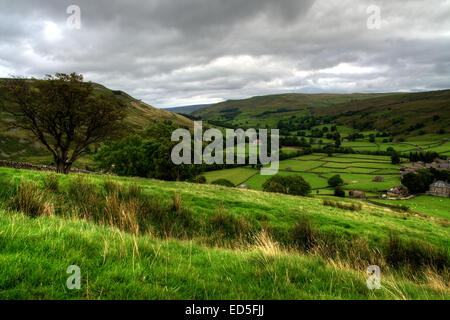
(62, 166)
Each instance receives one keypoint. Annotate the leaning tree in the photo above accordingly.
(63, 113)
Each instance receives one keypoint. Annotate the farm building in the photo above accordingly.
(437, 164)
(399, 191)
(378, 179)
(440, 189)
(357, 194)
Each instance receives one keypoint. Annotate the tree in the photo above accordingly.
(395, 158)
(63, 114)
(294, 185)
(131, 156)
(338, 192)
(335, 181)
(418, 182)
(337, 143)
(223, 182)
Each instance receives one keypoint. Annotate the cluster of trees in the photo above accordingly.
(304, 123)
(145, 155)
(293, 185)
(426, 157)
(419, 181)
(294, 142)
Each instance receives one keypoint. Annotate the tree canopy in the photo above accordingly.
(62, 112)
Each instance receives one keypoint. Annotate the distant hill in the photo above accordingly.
(188, 109)
(15, 144)
(401, 113)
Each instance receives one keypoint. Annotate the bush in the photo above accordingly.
(352, 206)
(223, 182)
(199, 180)
(335, 181)
(338, 192)
(293, 185)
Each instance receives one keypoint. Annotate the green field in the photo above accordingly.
(431, 206)
(357, 171)
(192, 263)
(236, 175)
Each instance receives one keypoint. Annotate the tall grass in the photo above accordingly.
(30, 200)
(51, 182)
(128, 208)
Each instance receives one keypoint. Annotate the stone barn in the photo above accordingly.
(357, 194)
(378, 179)
(440, 189)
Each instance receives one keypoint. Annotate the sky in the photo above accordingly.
(183, 52)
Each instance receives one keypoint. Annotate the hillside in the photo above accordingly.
(402, 113)
(207, 242)
(17, 145)
(188, 109)
(270, 109)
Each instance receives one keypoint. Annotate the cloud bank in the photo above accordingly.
(184, 52)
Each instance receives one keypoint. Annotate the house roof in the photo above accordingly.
(440, 184)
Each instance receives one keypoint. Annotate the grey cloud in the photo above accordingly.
(171, 52)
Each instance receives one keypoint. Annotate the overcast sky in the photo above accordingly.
(181, 52)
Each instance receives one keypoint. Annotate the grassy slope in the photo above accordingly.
(382, 109)
(251, 110)
(35, 253)
(17, 145)
(411, 108)
(280, 211)
(431, 206)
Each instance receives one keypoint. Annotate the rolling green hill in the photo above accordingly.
(17, 145)
(270, 109)
(404, 114)
(148, 239)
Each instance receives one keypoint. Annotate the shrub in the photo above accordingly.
(335, 181)
(274, 187)
(352, 206)
(338, 192)
(199, 180)
(293, 185)
(223, 182)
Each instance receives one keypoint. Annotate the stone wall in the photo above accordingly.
(29, 166)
